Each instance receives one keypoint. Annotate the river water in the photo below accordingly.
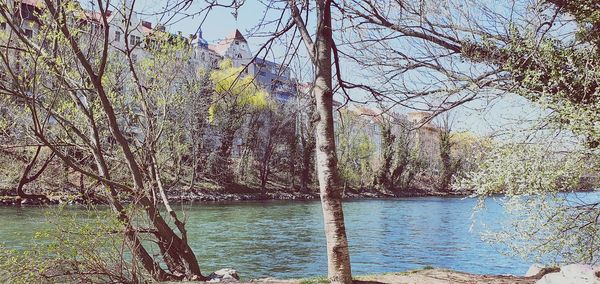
(285, 239)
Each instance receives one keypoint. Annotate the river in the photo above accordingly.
(285, 239)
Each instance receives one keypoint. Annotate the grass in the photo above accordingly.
(315, 280)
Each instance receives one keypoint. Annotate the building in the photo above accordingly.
(131, 34)
(424, 135)
(203, 56)
(275, 78)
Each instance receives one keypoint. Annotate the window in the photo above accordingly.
(2, 26)
(95, 27)
(237, 42)
(276, 84)
(154, 44)
(134, 40)
(28, 33)
(117, 36)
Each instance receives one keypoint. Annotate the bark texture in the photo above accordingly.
(338, 257)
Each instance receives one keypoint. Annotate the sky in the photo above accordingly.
(219, 22)
(504, 115)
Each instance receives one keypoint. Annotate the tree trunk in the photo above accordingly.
(265, 163)
(338, 257)
(25, 178)
(308, 150)
(222, 168)
(382, 178)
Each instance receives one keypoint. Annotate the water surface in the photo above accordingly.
(285, 239)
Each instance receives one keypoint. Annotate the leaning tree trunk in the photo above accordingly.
(176, 252)
(338, 257)
(26, 178)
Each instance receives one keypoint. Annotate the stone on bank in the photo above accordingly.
(571, 274)
(224, 275)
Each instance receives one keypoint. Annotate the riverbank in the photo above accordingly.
(430, 276)
(243, 194)
(280, 193)
(237, 193)
(571, 273)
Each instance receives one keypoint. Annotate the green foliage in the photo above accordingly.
(236, 98)
(562, 75)
(233, 90)
(450, 165)
(355, 150)
(470, 149)
(542, 224)
(553, 229)
(315, 280)
(562, 78)
(402, 160)
(587, 15)
(525, 169)
(415, 164)
(77, 246)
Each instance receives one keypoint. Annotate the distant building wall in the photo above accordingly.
(425, 135)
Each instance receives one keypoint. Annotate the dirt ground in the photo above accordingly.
(433, 276)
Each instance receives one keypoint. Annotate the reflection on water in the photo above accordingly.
(285, 239)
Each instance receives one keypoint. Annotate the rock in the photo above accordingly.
(28, 201)
(224, 275)
(534, 269)
(32, 201)
(537, 270)
(572, 274)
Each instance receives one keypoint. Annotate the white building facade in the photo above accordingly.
(135, 36)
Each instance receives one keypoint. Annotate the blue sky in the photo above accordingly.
(218, 24)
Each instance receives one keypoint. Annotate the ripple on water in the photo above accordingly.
(285, 239)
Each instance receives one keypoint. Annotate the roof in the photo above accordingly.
(218, 48)
(368, 113)
(96, 16)
(225, 43)
(377, 115)
(236, 35)
(32, 2)
(146, 30)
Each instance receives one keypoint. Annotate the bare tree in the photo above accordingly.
(320, 50)
(66, 88)
(449, 164)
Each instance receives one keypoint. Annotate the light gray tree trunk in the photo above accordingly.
(338, 257)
